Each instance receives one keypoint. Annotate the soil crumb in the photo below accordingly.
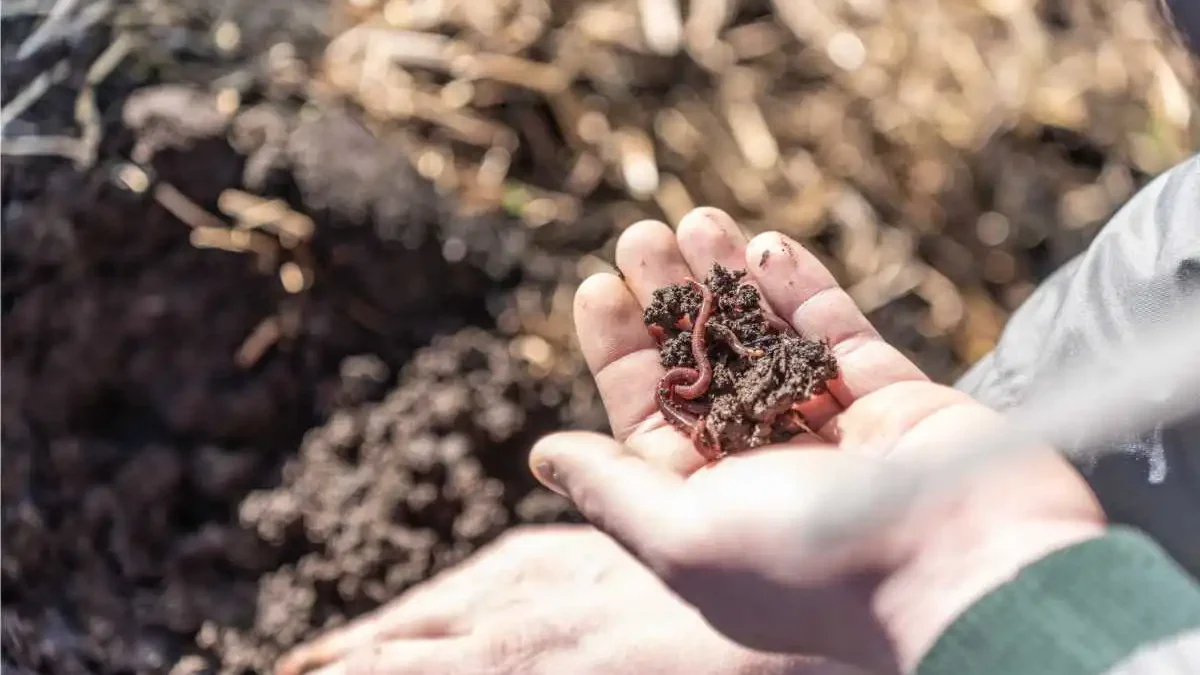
(738, 386)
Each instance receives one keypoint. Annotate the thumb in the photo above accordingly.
(636, 503)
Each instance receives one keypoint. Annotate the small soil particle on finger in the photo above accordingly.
(739, 383)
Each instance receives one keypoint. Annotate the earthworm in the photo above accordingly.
(703, 370)
(726, 335)
(777, 323)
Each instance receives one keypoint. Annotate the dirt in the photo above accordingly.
(166, 505)
(737, 375)
(202, 467)
(212, 454)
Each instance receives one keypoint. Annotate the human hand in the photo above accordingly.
(552, 599)
(737, 539)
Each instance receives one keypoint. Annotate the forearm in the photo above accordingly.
(1110, 605)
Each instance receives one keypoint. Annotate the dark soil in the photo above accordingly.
(204, 466)
(761, 369)
(166, 504)
(182, 494)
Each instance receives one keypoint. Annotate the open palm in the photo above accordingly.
(624, 358)
(736, 538)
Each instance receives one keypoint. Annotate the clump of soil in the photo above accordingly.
(387, 494)
(739, 384)
(164, 509)
(123, 557)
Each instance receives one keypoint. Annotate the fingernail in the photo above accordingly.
(544, 471)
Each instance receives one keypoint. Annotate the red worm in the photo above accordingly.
(685, 421)
(726, 335)
(703, 370)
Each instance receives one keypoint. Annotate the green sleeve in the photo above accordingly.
(1085, 610)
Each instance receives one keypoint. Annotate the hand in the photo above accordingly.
(736, 539)
(557, 599)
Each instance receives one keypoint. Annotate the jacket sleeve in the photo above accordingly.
(1138, 269)
(1114, 605)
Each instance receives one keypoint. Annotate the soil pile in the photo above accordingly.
(287, 285)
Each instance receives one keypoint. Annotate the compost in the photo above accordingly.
(287, 285)
(737, 375)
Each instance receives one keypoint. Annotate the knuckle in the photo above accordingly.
(517, 649)
(367, 661)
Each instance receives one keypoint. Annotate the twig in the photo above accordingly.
(494, 167)
(13, 9)
(87, 115)
(109, 59)
(673, 198)
(264, 336)
(661, 25)
(183, 208)
(32, 93)
(274, 215)
(35, 146)
(541, 77)
(746, 121)
(49, 30)
(887, 285)
(406, 48)
(755, 40)
(89, 16)
(635, 153)
(585, 175)
(705, 20)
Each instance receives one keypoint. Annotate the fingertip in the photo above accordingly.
(602, 292)
(640, 241)
(541, 463)
(550, 455)
(763, 246)
(708, 223)
(798, 287)
(603, 299)
(708, 235)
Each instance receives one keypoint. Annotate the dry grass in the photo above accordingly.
(924, 147)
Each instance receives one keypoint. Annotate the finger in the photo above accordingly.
(420, 613)
(621, 355)
(622, 495)
(805, 293)
(330, 647)
(648, 255)
(624, 361)
(449, 656)
(706, 236)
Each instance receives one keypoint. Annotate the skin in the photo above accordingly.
(540, 601)
(737, 539)
(730, 540)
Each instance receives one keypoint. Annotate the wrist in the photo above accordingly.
(974, 543)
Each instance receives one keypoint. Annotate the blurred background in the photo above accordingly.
(287, 283)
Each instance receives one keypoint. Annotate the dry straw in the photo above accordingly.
(928, 146)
